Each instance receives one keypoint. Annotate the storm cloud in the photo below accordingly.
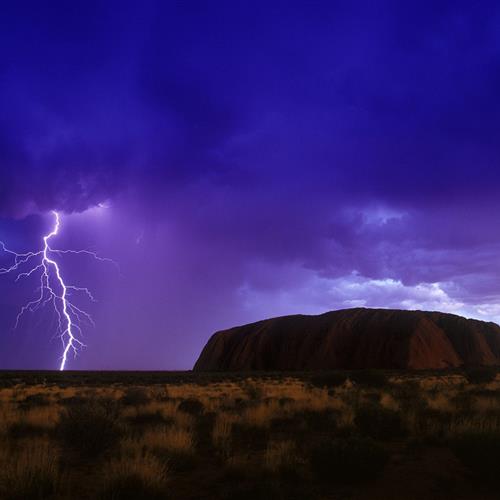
(255, 160)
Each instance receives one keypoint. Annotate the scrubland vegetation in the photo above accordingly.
(359, 435)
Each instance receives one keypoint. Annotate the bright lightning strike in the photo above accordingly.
(53, 289)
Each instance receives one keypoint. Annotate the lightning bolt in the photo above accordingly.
(53, 289)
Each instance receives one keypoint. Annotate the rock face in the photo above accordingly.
(354, 338)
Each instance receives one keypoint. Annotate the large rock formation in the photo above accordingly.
(354, 338)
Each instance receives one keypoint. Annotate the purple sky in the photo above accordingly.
(241, 160)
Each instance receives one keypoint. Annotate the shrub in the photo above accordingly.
(482, 375)
(149, 418)
(91, 428)
(408, 395)
(281, 456)
(135, 396)
(32, 474)
(174, 446)
(34, 400)
(203, 430)
(142, 477)
(221, 433)
(379, 423)
(252, 390)
(289, 423)
(191, 406)
(432, 425)
(320, 420)
(35, 422)
(73, 401)
(479, 452)
(23, 429)
(463, 402)
(171, 438)
(369, 378)
(285, 401)
(328, 380)
(245, 435)
(351, 460)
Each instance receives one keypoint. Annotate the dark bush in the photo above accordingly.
(252, 390)
(22, 429)
(408, 394)
(285, 401)
(238, 405)
(135, 396)
(482, 375)
(434, 416)
(322, 421)
(249, 436)
(34, 400)
(369, 378)
(150, 418)
(485, 393)
(328, 380)
(379, 423)
(73, 401)
(191, 406)
(437, 420)
(203, 430)
(91, 428)
(480, 452)
(294, 423)
(178, 460)
(349, 461)
(463, 402)
(372, 397)
(159, 393)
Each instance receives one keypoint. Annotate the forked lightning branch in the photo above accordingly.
(53, 290)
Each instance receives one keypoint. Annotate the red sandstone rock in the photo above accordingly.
(354, 338)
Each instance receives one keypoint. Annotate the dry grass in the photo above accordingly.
(247, 425)
(387, 401)
(37, 420)
(45, 417)
(138, 476)
(485, 405)
(32, 471)
(221, 433)
(280, 455)
(261, 414)
(440, 402)
(176, 439)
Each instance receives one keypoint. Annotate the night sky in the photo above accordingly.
(241, 160)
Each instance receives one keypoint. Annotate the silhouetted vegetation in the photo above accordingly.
(135, 396)
(91, 428)
(328, 379)
(133, 479)
(482, 375)
(191, 406)
(369, 378)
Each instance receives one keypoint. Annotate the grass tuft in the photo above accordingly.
(90, 429)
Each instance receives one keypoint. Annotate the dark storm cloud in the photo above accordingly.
(345, 150)
(89, 107)
(96, 97)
